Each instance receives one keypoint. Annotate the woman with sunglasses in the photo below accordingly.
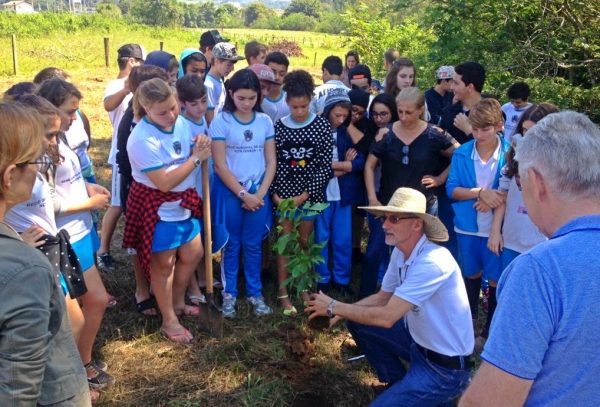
(512, 231)
(409, 151)
(39, 362)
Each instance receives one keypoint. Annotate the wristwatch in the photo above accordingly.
(242, 193)
(330, 309)
(197, 162)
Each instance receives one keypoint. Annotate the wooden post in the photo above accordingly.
(106, 52)
(315, 62)
(161, 45)
(14, 52)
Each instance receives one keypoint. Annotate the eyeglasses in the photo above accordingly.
(405, 150)
(359, 113)
(394, 220)
(43, 163)
(518, 181)
(381, 115)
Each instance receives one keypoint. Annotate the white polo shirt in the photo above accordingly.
(431, 280)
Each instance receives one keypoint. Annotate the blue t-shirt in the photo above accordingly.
(546, 326)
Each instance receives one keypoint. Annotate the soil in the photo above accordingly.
(319, 324)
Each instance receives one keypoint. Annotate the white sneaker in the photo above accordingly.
(260, 308)
(229, 306)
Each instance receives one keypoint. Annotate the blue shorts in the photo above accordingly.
(171, 235)
(86, 248)
(476, 256)
(507, 257)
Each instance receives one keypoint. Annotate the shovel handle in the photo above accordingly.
(207, 228)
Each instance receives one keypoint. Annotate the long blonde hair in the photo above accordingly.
(21, 132)
(149, 93)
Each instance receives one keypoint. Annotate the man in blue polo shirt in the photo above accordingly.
(544, 344)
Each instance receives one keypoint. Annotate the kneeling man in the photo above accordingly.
(420, 315)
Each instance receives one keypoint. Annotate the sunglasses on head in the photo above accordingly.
(394, 220)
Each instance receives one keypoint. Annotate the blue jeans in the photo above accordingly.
(376, 258)
(334, 226)
(424, 384)
(246, 230)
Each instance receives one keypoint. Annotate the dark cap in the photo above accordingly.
(359, 72)
(131, 51)
(211, 37)
(359, 97)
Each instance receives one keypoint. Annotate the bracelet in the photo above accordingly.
(330, 313)
(479, 193)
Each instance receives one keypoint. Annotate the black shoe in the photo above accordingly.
(324, 287)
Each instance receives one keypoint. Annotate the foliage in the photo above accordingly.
(330, 22)
(254, 11)
(371, 37)
(310, 8)
(298, 22)
(228, 15)
(108, 10)
(300, 262)
(160, 13)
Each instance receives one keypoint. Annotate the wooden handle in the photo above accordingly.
(207, 228)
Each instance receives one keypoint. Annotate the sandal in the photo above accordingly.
(290, 312)
(197, 299)
(145, 305)
(189, 312)
(181, 338)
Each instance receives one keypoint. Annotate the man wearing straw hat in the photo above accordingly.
(420, 315)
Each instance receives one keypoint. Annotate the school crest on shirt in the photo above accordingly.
(248, 135)
(177, 147)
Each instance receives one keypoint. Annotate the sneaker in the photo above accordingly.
(229, 306)
(106, 262)
(99, 365)
(101, 379)
(485, 299)
(260, 308)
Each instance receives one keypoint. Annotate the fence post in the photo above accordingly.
(315, 62)
(14, 52)
(106, 52)
(161, 45)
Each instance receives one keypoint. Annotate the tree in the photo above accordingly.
(310, 8)
(165, 13)
(227, 15)
(254, 11)
(108, 10)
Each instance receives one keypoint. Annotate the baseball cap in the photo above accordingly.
(132, 51)
(264, 73)
(445, 72)
(359, 72)
(211, 37)
(226, 50)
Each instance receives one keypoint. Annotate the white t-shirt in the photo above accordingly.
(151, 148)
(116, 115)
(513, 115)
(39, 210)
(518, 231)
(320, 94)
(431, 280)
(78, 140)
(196, 129)
(485, 173)
(275, 109)
(215, 92)
(245, 144)
(333, 187)
(70, 187)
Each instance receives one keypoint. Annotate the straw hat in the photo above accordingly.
(412, 202)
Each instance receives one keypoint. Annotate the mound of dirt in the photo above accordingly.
(289, 48)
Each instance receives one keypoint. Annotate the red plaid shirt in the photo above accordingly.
(142, 216)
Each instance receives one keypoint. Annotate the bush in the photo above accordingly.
(331, 23)
(298, 22)
(108, 10)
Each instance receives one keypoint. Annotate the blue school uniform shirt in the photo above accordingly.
(215, 92)
(545, 328)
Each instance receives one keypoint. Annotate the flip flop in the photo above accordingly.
(176, 338)
(145, 305)
(197, 300)
(190, 312)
